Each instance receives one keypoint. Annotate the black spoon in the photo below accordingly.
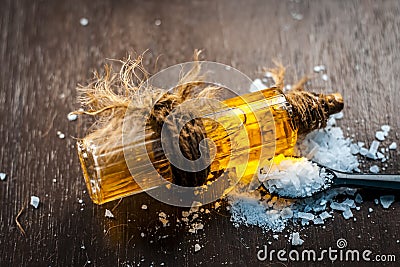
(336, 178)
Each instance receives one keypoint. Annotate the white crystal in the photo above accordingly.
(3, 176)
(296, 240)
(109, 214)
(72, 117)
(374, 169)
(386, 201)
(358, 199)
(35, 201)
(317, 69)
(385, 128)
(84, 21)
(370, 210)
(393, 146)
(347, 214)
(197, 247)
(380, 135)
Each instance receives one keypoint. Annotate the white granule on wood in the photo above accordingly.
(72, 117)
(197, 247)
(35, 201)
(296, 240)
(157, 22)
(393, 146)
(84, 21)
(144, 207)
(108, 214)
(374, 169)
(3, 176)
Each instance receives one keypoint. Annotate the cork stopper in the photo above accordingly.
(311, 111)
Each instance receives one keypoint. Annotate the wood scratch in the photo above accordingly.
(112, 227)
(119, 202)
(21, 229)
(50, 126)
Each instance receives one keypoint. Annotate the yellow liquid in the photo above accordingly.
(266, 130)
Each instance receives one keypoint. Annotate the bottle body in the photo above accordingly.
(267, 129)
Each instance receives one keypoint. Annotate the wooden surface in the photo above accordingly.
(45, 52)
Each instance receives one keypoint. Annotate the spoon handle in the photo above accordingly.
(379, 181)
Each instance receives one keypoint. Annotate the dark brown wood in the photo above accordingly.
(45, 52)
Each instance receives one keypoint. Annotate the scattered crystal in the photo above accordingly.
(35, 201)
(386, 201)
(374, 169)
(296, 240)
(109, 214)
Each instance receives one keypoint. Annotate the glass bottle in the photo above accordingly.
(108, 177)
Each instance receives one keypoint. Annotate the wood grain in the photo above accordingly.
(45, 52)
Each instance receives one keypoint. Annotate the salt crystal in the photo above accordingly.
(349, 202)
(3, 176)
(380, 135)
(386, 201)
(109, 214)
(275, 237)
(72, 116)
(338, 206)
(370, 210)
(306, 216)
(376, 201)
(347, 214)
(385, 128)
(393, 146)
(338, 115)
(360, 144)
(363, 151)
(157, 22)
(286, 213)
(84, 21)
(197, 247)
(374, 147)
(325, 215)
(380, 155)
(325, 77)
(296, 240)
(144, 207)
(318, 220)
(317, 69)
(257, 85)
(358, 199)
(354, 149)
(35, 201)
(374, 169)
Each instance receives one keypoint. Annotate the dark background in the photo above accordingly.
(45, 52)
